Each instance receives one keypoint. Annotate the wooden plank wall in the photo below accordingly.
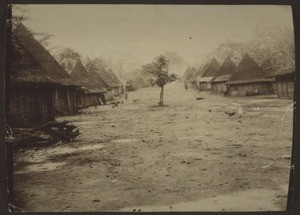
(285, 87)
(263, 88)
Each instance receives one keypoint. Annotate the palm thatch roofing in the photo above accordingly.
(273, 70)
(41, 55)
(109, 77)
(268, 67)
(282, 73)
(287, 74)
(225, 71)
(82, 77)
(191, 74)
(115, 77)
(210, 71)
(183, 77)
(199, 72)
(24, 68)
(248, 71)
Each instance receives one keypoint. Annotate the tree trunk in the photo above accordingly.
(161, 100)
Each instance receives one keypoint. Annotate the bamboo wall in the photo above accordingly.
(30, 107)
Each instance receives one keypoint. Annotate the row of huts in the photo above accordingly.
(248, 78)
(38, 88)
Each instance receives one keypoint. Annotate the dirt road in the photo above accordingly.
(186, 156)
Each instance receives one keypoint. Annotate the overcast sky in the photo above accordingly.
(145, 31)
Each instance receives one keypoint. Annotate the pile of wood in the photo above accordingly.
(46, 134)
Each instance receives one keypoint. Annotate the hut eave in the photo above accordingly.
(251, 81)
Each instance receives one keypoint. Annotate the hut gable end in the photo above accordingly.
(212, 68)
(226, 70)
(248, 71)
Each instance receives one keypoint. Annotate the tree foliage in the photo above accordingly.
(20, 14)
(271, 45)
(159, 70)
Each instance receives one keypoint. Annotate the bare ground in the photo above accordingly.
(186, 156)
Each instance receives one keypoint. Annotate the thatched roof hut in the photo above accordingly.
(225, 71)
(41, 55)
(114, 84)
(90, 80)
(29, 97)
(185, 74)
(115, 77)
(65, 95)
(192, 71)
(25, 69)
(189, 81)
(211, 69)
(250, 79)
(284, 83)
(223, 75)
(199, 72)
(248, 71)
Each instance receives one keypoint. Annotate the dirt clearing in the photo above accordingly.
(187, 156)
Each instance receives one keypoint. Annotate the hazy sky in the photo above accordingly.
(145, 31)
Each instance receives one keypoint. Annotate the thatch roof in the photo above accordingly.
(115, 77)
(109, 78)
(248, 71)
(221, 78)
(24, 68)
(268, 67)
(199, 72)
(282, 73)
(82, 77)
(183, 77)
(190, 74)
(211, 69)
(205, 79)
(41, 55)
(79, 72)
(225, 71)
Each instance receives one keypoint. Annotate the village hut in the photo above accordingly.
(185, 74)
(94, 97)
(115, 86)
(30, 91)
(210, 70)
(117, 81)
(91, 82)
(64, 95)
(196, 77)
(249, 79)
(189, 79)
(270, 68)
(218, 83)
(285, 84)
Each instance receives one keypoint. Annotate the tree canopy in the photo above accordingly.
(159, 69)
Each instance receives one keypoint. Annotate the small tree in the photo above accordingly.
(159, 70)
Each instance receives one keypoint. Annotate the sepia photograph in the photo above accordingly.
(149, 108)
